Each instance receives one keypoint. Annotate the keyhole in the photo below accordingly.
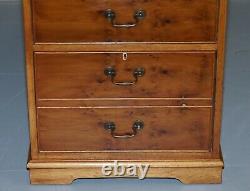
(124, 56)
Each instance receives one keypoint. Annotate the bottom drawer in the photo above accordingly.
(124, 128)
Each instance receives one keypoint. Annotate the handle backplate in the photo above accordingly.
(111, 126)
(111, 73)
(110, 15)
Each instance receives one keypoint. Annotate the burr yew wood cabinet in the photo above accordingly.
(134, 81)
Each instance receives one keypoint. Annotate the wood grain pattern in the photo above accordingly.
(83, 129)
(133, 155)
(84, 21)
(220, 75)
(186, 175)
(124, 102)
(188, 172)
(187, 36)
(81, 75)
(178, 163)
(30, 77)
(124, 47)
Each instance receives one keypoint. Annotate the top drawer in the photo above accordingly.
(77, 21)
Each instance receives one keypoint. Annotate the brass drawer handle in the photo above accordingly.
(111, 15)
(111, 73)
(138, 125)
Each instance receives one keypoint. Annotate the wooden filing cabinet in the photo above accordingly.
(134, 81)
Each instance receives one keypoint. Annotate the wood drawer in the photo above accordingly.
(81, 75)
(82, 129)
(165, 21)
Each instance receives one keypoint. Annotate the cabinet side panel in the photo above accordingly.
(30, 76)
(220, 75)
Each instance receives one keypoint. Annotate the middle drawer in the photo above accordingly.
(124, 75)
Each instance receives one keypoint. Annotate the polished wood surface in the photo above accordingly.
(218, 96)
(186, 175)
(122, 102)
(30, 76)
(123, 47)
(81, 75)
(188, 172)
(83, 129)
(165, 21)
(61, 37)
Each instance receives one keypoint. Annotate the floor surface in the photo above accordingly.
(14, 126)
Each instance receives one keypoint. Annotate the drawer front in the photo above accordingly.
(125, 21)
(108, 75)
(87, 129)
